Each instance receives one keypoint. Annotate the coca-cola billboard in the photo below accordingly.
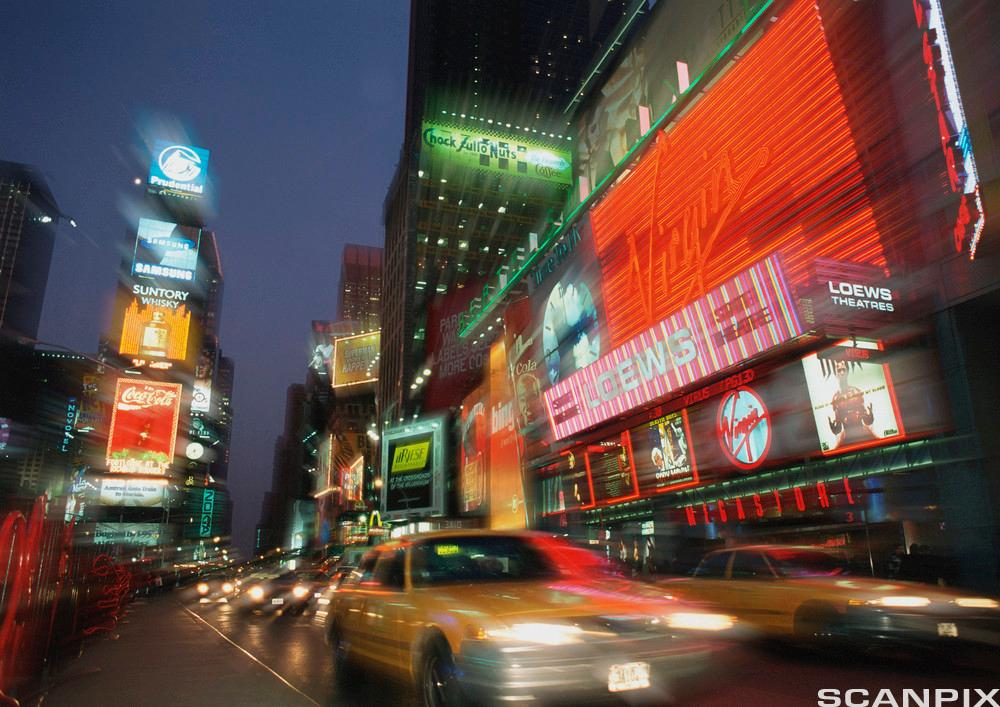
(143, 427)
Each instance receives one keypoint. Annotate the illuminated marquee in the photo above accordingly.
(355, 359)
(143, 427)
(739, 319)
(498, 153)
(764, 162)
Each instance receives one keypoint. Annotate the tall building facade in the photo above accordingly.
(360, 286)
(28, 218)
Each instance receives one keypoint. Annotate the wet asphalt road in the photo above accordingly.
(293, 648)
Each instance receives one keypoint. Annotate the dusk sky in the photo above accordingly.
(301, 106)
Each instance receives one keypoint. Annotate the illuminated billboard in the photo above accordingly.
(737, 320)
(156, 323)
(352, 480)
(853, 400)
(611, 470)
(143, 493)
(729, 184)
(143, 427)
(473, 460)
(505, 479)
(137, 534)
(178, 170)
(413, 464)
(164, 250)
(495, 152)
(664, 454)
(355, 359)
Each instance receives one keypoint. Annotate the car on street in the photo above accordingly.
(810, 594)
(482, 616)
(286, 591)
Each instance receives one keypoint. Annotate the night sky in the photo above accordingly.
(301, 105)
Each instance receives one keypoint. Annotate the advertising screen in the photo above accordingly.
(507, 502)
(567, 484)
(156, 323)
(495, 152)
(143, 427)
(664, 454)
(412, 465)
(178, 170)
(853, 400)
(352, 480)
(144, 493)
(677, 43)
(456, 364)
(355, 359)
(742, 317)
(473, 460)
(164, 250)
(728, 184)
(138, 534)
(611, 468)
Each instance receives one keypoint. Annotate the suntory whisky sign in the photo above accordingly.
(498, 153)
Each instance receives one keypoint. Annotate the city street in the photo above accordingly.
(210, 654)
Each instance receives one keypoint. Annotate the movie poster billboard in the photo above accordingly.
(853, 400)
(156, 323)
(412, 469)
(679, 41)
(664, 454)
(473, 461)
(165, 251)
(355, 359)
(143, 427)
(611, 468)
(506, 481)
(566, 483)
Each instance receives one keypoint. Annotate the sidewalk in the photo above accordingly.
(162, 655)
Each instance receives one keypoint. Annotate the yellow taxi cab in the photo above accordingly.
(809, 593)
(483, 616)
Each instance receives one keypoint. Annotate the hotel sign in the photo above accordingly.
(743, 317)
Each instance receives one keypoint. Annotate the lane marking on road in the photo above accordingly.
(251, 656)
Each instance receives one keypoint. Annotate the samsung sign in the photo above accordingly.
(178, 170)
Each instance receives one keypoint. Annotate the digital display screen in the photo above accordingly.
(178, 170)
(143, 427)
(164, 250)
(156, 323)
(410, 481)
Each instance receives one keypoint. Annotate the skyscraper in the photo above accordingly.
(360, 285)
(28, 217)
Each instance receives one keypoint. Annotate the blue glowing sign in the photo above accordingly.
(165, 250)
(178, 170)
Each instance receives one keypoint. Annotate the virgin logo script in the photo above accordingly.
(744, 428)
(137, 397)
(684, 244)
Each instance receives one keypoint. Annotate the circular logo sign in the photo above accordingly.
(744, 428)
(195, 450)
(180, 163)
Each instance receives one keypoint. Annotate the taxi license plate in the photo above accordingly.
(948, 629)
(278, 600)
(629, 676)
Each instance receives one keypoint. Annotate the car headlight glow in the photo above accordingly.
(300, 592)
(901, 602)
(978, 603)
(545, 634)
(699, 621)
(256, 593)
(202, 588)
(227, 587)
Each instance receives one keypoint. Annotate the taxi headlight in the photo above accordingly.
(545, 634)
(227, 587)
(202, 588)
(699, 621)
(256, 593)
(300, 592)
(901, 602)
(977, 603)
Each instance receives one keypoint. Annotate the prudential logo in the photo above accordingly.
(937, 697)
(179, 162)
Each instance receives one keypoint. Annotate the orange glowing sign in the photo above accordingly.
(156, 324)
(763, 163)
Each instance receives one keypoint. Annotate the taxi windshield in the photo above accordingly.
(457, 560)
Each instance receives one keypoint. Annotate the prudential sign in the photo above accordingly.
(178, 170)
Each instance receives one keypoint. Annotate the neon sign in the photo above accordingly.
(740, 318)
(744, 428)
(963, 176)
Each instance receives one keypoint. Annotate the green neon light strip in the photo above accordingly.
(643, 141)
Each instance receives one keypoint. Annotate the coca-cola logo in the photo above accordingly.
(144, 396)
(744, 428)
